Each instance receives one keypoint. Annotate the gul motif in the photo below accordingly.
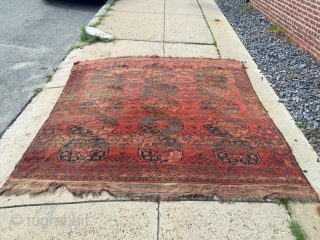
(160, 125)
(159, 149)
(107, 91)
(108, 78)
(208, 78)
(81, 150)
(214, 90)
(158, 76)
(236, 152)
(160, 90)
(103, 106)
(219, 105)
(161, 105)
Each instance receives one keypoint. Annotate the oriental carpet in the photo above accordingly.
(161, 127)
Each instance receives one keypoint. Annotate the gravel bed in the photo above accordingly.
(292, 73)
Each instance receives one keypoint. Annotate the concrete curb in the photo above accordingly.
(94, 32)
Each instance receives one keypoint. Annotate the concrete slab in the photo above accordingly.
(306, 214)
(213, 220)
(145, 6)
(187, 29)
(134, 26)
(190, 50)
(188, 7)
(116, 220)
(231, 47)
(118, 48)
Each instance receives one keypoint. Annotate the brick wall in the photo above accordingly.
(299, 18)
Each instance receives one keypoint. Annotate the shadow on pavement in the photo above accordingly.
(74, 3)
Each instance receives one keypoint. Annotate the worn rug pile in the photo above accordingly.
(161, 127)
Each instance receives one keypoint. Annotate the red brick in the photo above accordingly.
(299, 18)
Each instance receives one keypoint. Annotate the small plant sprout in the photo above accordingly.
(36, 91)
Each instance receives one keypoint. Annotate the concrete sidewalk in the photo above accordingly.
(176, 28)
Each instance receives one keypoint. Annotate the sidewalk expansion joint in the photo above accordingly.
(53, 87)
(214, 40)
(158, 221)
(70, 203)
(137, 40)
(118, 201)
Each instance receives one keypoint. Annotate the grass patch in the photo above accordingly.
(48, 78)
(101, 17)
(294, 226)
(36, 91)
(83, 35)
(111, 5)
(108, 40)
(297, 231)
(250, 9)
(86, 40)
(276, 30)
(284, 202)
(92, 40)
(95, 24)
(308, 128)
(75, 46)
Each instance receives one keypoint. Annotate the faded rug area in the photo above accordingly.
(161, 127)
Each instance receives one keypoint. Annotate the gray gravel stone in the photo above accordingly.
(292, 73)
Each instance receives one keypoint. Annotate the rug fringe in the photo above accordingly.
(165, 192)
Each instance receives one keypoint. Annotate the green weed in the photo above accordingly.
(108, 40)
(48, 78)
(297, 231)
(95, 24)
(75, 46)
(250, 9)
(274, 29)
(214, 43)
(36, 91)
(83, 34)
(284, 202)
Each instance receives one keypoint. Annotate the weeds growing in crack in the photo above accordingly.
(104, 40)
(284, 202)
(36, 91)
(48, 78)
(297, 231)
(294, 225)
(214, 43)
(75, 46)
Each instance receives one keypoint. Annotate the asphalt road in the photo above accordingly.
(35, 36)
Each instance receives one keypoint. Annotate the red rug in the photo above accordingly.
(161, 127)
